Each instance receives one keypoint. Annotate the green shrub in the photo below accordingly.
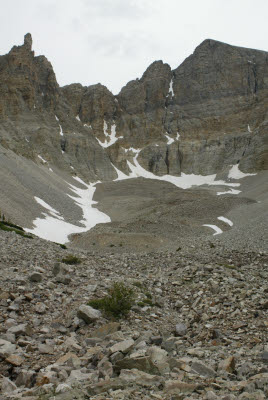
(138, 284)
(61, 245)
(9, 227)
(117, 303)
(71, 260)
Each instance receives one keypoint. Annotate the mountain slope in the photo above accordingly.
(36, 119)
(204, 117)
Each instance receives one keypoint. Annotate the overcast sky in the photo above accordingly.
(114, 41)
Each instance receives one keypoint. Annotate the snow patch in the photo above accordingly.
(42, 159)
(170, 90)
(228, 221)
(78, 119)
(178, 136)
(231, 191)
(133, 150)
(184, 181)
(51, 210)
(111, 138)
(235, 173)
(54, 228)
(170, 140)
(217, 230)
(120, 175)
(61, 132)
(249, 130)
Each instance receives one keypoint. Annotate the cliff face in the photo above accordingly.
(206, 114)
(36, 120)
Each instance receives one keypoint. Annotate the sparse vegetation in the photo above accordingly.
(229, 266)
(117, 303)
(8, 226)
(71, 260)
(61, 245)
(138, 284)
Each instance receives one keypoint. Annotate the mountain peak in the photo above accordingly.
(28, 41)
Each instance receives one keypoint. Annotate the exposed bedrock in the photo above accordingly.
(37, 120)
(205, 115)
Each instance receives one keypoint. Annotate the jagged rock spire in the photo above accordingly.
(28, 41)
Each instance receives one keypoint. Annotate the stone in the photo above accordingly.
(15, 360)
(21, 329)
(35, 277)
(125, 346)
(142, 363)
(69, 358)
(203, 370)
(88, 314)
(6, 348)
(7, 385)
(157, 340)
(264, 357)
(105, 386)
(116, 357)
(178, 387)
(78, 375)
(62, 388)
(45, 349)
(211, 395)
(180, 329)
(105, 368)
(64, 279)
(26, 378)
(40, 308)
(46, 377)
(159, 358)
(140, 378)
(105, 330)
(227, 365)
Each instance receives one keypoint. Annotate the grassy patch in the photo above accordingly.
(61, 245)
(71, 260)
(229, 266)
(117, 303)
(138, 284)
(9, 227)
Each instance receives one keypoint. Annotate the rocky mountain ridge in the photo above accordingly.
(207, 114)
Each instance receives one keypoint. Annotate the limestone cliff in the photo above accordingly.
(206, 114)
(37, 122)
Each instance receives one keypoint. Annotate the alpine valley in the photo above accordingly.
(162, 187)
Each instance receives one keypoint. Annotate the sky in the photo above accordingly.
(114, 41)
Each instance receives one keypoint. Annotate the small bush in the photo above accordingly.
(117, 303)
(138, 284)
(71, 260)
(9, 227)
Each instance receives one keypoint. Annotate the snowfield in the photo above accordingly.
(54, 228)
